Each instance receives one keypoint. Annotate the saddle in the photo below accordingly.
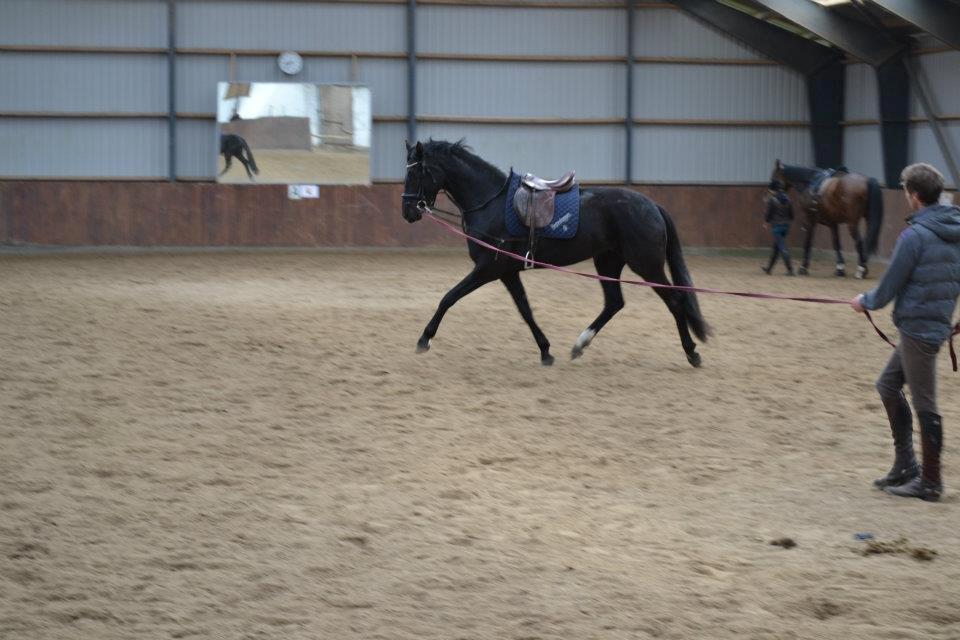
(820, 184)
(534, 199)
(534, 202)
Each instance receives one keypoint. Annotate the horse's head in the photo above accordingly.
(422, 183)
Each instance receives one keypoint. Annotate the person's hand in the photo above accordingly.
(856, 303)
(765, 226)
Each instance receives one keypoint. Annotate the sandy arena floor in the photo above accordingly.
(244, 445)
(289, 166)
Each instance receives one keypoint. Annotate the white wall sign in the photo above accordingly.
(303, 191)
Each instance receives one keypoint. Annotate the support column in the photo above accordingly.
(826, 98)
(172, 89)
(893, 83)
(412, 71)
(629, 107)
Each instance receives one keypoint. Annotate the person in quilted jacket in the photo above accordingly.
(924, 280)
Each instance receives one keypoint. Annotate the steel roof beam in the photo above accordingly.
(852, 36)
(800, 54)
(939, 18)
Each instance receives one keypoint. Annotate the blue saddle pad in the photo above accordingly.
(566, 214)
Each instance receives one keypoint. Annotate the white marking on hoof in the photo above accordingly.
(583, 342)
(861, 272)
(841, 267)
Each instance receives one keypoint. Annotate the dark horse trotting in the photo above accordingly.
(833, 199)
(617, 227)
(233, 146)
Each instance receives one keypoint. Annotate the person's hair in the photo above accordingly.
(924, 181)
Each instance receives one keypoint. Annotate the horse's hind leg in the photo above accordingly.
(227, 167)
(861, 252)
(674, 302)
(609, 265)
(473, 281)
(512, 282)
(841, 271)
(246, 165)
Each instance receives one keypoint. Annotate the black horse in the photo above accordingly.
(233, 146)
(617, 227)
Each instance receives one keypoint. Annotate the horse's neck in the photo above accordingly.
(799, 175)
(471, 183)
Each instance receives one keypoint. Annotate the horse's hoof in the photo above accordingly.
(546, 360)
(423, 346)
(582, 343)
(861, 273)
(694, 359)
(803, 271)
(840, 273)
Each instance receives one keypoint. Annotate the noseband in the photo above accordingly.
(420, 196)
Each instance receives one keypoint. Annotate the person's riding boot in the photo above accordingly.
(905, 467)
(929, 486)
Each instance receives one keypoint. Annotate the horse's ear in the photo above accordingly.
(408, 145)
(418, 151)
(778, 165)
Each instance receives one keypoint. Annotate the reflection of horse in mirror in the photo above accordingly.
(233, 146)
(835, 198)
(617, 227)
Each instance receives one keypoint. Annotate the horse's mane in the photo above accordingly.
(799, 175)
(445, 152)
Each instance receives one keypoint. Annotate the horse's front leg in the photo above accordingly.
(841, 270)
(807, 245)
(473, 281)
(512, 282)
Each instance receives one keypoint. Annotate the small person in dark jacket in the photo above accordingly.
(779, 215)
(924, 278)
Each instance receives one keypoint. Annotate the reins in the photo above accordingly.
(429, 211)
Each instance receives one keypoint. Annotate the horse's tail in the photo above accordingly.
(253, 163)
(874, 214)
(681, 277)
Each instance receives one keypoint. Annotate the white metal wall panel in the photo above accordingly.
(388, 155)
(108, 23)
(716, 154)
(197, 149)
(861, 93)
(862, 150)
(596, 152)
(291, 25)
(387, 80)
(924, 148)
(197, 76)
(83, 82)
(83, 148)
(672, 33)
(719, 92)
(502, 31)
(942, 71)
(582, 90)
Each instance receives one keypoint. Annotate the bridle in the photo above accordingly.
(420, 195)
(425, 206)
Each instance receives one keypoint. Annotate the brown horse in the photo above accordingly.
(833, 198)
